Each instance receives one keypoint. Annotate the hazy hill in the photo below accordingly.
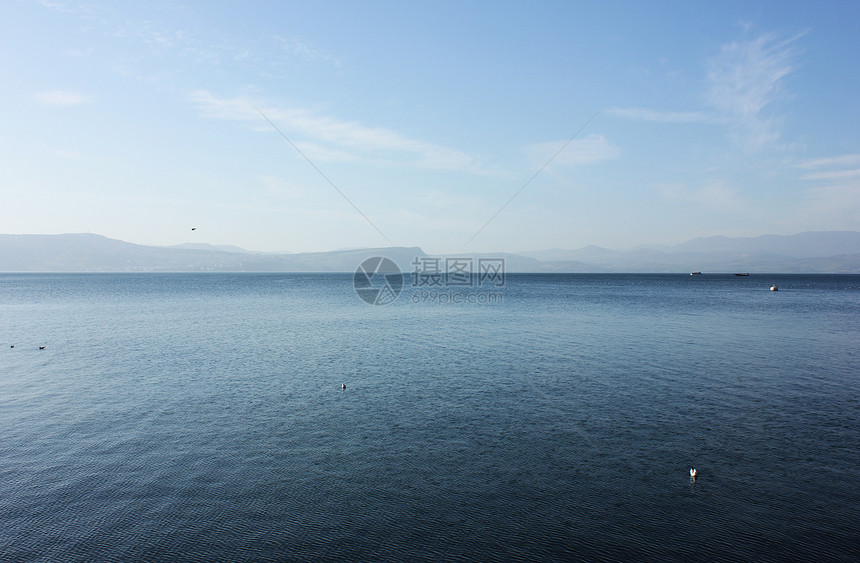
(216, 247)
(812, 252)
(95, 253)
(803, 245)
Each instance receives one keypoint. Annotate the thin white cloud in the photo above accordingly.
(832, 206)
(835, 175)
(302, 50)
(61, 98)
(592, 148)
(63, 7)
(641, 114)
(747, 77)
(744, 79)
(172, 46)
(281, 188)
(831, 170)
(161, 40)
(317, 152)
(713, 195)
(827, 162)
(336, 139)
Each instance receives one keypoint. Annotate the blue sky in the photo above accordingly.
(415, 124)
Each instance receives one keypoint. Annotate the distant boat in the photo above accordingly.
(744, 274)
(696, 273)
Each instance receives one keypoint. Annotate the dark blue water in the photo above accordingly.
(200, 418)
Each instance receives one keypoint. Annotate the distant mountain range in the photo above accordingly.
(810, 252)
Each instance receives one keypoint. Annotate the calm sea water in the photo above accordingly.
(200, 418)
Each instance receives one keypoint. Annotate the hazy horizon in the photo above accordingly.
(233, 247)
(479, 127)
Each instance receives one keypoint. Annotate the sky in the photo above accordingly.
(454, 126)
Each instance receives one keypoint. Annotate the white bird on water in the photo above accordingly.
(694, 473)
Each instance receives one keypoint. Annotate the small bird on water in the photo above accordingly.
(694, 473)
(343, 385)
(41, 347)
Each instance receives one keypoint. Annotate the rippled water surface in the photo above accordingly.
(200, 418)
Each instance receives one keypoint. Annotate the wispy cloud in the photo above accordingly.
(61, 98)
(281, 188)
(641, 114)
(835, 175)
(317, 152)
(832, 206)
(336, 140)
(66, 7)
(304, 51)
(161, 40)
(713, 195)
(832, 168)
(592, 148)
(831, 161)
(745, 78)
(830, 195)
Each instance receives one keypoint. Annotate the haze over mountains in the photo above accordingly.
(809, 252)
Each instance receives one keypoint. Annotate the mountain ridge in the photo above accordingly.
(808, 252)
